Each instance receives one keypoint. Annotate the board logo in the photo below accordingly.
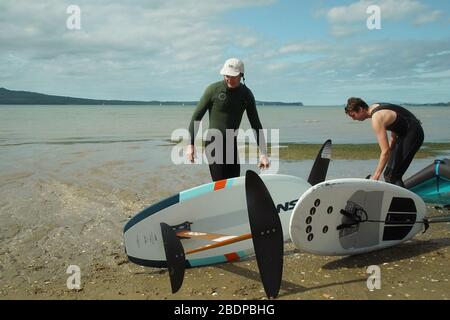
(287, 206)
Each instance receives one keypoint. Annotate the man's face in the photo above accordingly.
(232, 82)
(357, 115)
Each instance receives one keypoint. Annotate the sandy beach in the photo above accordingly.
(71, 209)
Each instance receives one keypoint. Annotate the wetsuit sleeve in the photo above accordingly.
(202, 106)
(253, 117)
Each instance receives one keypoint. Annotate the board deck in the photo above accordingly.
(214, 208)
(352, 216)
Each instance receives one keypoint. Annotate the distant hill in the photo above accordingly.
(12, 97)
(26, 97)
(278, 103)
(415, 104)
(439, 104)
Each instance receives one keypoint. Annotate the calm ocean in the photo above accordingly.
(81, 124)
(52, 136)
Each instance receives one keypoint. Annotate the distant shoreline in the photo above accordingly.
(11, 97)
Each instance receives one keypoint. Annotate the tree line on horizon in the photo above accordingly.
(34, 98)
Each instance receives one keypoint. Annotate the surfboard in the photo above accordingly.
(353, 216)
(213, 212)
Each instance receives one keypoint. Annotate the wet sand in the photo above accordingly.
(71, 211)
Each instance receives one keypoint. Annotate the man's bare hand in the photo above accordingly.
(190, 153)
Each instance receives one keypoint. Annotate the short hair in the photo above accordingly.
(355, 104)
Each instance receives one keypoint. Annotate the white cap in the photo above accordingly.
(232, 67)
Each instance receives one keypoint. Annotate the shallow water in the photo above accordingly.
(124, 152)
(96, 124)
(66, 138)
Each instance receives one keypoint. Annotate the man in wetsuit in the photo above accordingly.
(406, 136)
(226, 102)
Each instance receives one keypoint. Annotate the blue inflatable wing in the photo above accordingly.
(432, 183)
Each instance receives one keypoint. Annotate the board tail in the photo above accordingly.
(174, 256)
(320, 167)
(267, 233)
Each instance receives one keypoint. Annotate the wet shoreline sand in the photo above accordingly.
(297, 152)
(69, 208)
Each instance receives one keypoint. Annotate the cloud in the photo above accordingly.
(139, 39)
(345, 14)
(349, 20)
(390, 9)
(380, 69)
(302, 47)
(170, 50)
(428, 17)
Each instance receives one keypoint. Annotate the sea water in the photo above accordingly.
(81, 124)
(50, 136)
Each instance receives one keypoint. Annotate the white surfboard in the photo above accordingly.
(376, 215)
(217, 210)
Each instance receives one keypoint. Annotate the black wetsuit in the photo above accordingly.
(226, 107)
(409, 139)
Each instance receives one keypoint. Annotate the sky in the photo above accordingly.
(316, 52)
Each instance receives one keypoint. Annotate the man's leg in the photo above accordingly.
(215, 159)
(410, 144)
(216, 171)
(392, 162)
(221, 171)
(232, 167)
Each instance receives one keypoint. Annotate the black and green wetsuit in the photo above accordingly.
(410, 137)
(226, 107)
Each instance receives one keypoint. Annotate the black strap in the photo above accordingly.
(346, 225)
(355, 213)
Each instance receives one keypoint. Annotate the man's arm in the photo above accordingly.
(253, 118)
(393, 140)
(202, 106)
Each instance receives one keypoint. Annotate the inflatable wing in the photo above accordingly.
(432, 183)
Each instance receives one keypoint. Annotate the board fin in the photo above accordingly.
(267, 233)
(438, 219)
(320, 167)
(174, 256)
